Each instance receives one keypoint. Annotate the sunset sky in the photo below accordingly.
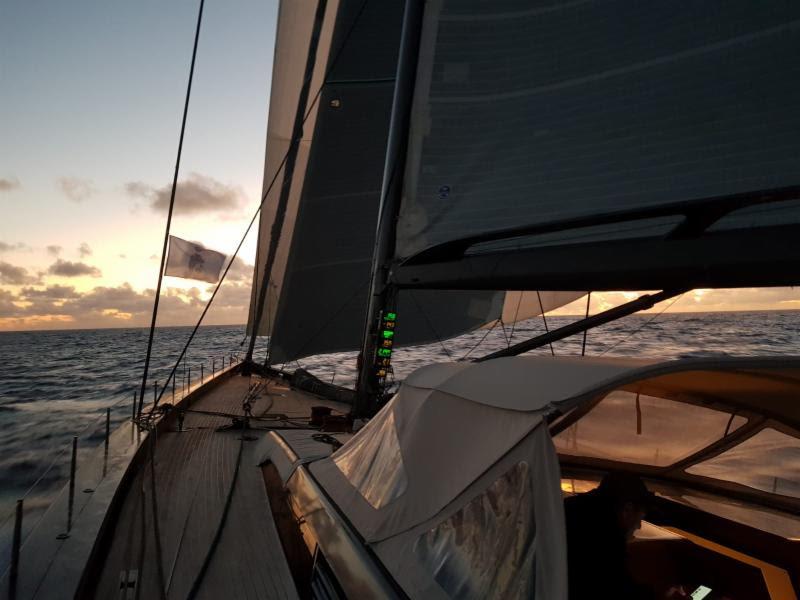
(91, 94)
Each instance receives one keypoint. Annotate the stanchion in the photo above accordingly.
(15, 546)
(71, 498)
(108, 435)
(133, 413)
(72, 466)
(201, 374)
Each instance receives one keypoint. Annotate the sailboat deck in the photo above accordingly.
(194, 471)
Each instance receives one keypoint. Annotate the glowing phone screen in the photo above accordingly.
(701, 592)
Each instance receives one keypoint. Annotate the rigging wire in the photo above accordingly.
(266, 193)
(643, 325)
(201, 574)
(508, 339)
(585, 331)
(154, 508)
(430, 324)
(328, 321)
(544, 319)
(171, 206)
(516, 315)
(195, 589)
(151, 449)
(480, 341)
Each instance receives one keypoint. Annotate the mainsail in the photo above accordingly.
(320, 272)
(540, 116)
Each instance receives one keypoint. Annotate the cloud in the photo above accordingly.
(51, 292)
(66, 268)
(198, 194)
(8, 184)
(76, 189)
(13, 275)
(6, 247)
(54, 250)
(7, 306)
(84, 250)
(61, 306)
(240, 271)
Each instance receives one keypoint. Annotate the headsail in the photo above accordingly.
(327, 239)
(301, 50)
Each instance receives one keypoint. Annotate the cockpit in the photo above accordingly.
(458, 486)
(725, 469)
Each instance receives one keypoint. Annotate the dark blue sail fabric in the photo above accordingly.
(531, 112)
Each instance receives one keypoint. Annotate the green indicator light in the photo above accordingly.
(388, 334)
(390, 316)
(384, 351)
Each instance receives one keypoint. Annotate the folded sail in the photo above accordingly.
(532, 115)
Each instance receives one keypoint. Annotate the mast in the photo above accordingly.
(380, 294)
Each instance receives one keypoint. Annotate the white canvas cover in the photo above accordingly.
(503, 537)
(448, 414)
(435, 480)
(435, 432)
(425, 482)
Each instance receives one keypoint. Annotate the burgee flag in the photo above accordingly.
(193, 261)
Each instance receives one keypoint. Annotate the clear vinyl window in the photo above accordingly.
(768, 461)
(486, 549)
(372, 462)
(629, 427)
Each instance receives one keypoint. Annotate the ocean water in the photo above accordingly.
(57, 384)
